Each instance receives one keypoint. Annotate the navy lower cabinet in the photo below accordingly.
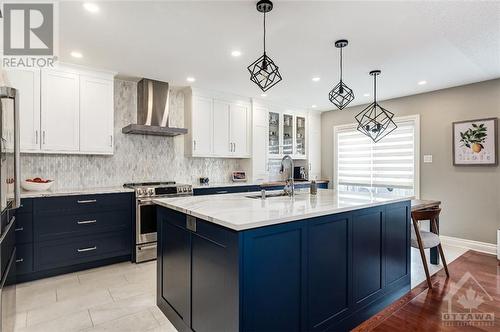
(64, 234)
(327, 273)
(225, 190)
(328, 255)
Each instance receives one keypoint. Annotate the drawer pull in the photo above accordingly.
(20, 229)
(153, 246)
(221, 192)
(86, 222)
(87, 249)
(19, 260)
(87, 201)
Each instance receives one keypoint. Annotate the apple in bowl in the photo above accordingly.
(37, 184)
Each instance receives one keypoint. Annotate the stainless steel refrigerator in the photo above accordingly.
(9, 202)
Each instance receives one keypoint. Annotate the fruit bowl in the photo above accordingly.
(36, 184)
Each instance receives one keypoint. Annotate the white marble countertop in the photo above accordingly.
(78, 191)
(238, 212)
(242, 184)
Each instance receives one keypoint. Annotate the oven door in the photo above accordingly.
(145, 221)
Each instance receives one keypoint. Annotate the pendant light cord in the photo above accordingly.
(264, 32)
(374, 88)
(341, 64)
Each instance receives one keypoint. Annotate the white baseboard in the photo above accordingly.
(489, 248)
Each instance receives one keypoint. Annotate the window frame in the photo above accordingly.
(416, 141)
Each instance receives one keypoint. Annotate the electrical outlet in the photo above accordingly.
(428, 158)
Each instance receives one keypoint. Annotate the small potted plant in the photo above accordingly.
(474, 137)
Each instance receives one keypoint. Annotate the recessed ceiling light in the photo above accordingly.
(263, 95)
(316, 79)
(422, 82)
(91, 7)
(236, 53)
(314, 106)
(366, 95)
(76, 54)
(190, 79)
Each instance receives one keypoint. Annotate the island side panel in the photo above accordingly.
(197, 280)
(325, 273)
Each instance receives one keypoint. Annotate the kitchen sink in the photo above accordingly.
(268, 195)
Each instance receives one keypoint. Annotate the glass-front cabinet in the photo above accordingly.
(274, 134)
(300, 134)
(287, 135)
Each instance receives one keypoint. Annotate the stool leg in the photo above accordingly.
(441, 253)
(422, 254)
(440, 248)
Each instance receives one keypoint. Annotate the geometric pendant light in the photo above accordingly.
(263, 71)
(341, 95)
(375, 121)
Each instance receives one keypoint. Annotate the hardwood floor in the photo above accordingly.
(468, 301)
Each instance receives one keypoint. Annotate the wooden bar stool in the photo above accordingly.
(423, 240)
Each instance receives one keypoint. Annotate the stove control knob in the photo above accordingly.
(140, 191)
(151, 191)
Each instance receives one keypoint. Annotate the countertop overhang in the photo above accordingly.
(239, 212)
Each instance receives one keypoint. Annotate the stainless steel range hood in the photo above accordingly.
(152, 110)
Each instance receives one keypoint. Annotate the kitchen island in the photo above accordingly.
(322, 262)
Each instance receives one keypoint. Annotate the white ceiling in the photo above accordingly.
(445, 43)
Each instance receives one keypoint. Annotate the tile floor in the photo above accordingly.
(119, 297)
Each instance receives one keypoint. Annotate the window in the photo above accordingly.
(363, 168)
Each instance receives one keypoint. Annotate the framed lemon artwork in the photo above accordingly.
(475, 142)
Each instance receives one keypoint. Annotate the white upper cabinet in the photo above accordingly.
(239, 126)
(66, 109)
(314, 146)
(287, 134)
(96, 121)
(300, 137)
(27, 82)
(202, 128)
(218, 125)
(222, 143)
(259, 169)
(60, 111)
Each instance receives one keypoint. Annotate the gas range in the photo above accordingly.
(159, 189)
(145, 213)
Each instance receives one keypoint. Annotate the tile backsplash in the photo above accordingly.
(136, 157)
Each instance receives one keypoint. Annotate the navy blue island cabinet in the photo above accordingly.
(326, 273)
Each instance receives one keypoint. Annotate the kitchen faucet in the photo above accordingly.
(289, 184)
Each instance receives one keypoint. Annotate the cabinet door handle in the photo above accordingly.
(87, 201)
(85, 222)
(36, 137)
(234, 147)
(310, 166)
(153, 246)
(111, 140)
(87, 249)
(19, 229)
(43, 137)
(191, 223)
(221, 192)
(194, 145)
(19, 260)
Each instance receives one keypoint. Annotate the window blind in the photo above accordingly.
(389, 163)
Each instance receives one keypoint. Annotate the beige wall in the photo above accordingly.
(470, 195)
